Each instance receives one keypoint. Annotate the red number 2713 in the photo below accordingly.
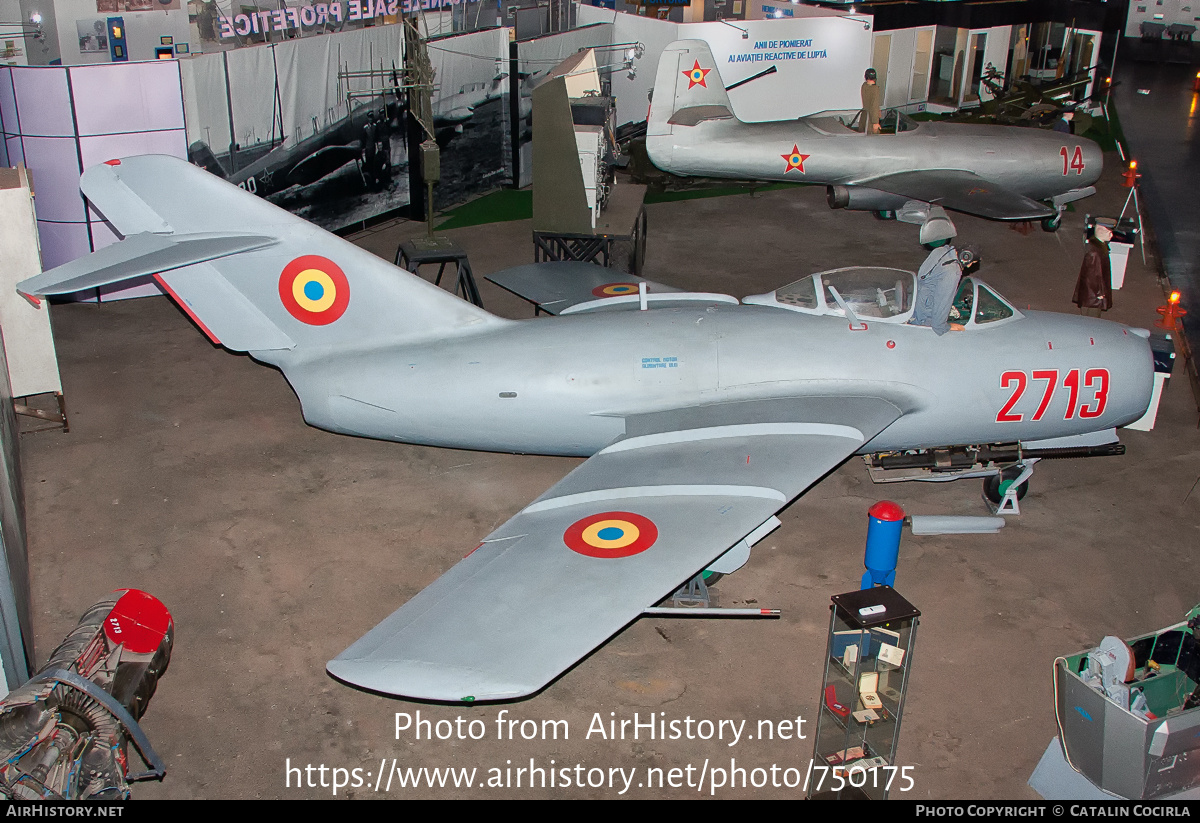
(1095, 382)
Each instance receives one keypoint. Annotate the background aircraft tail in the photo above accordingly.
(202, 155)
(687, 89)
(254, 277)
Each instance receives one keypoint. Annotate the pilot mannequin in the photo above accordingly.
(1093, 289)
(937, 284)
(871, 100)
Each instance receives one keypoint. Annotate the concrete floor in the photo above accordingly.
(189, 473)
(1158, 116)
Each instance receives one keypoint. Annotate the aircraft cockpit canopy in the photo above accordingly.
(979, 304)
(870, 291)
(895, 121)
(891, 121)
(883, 294)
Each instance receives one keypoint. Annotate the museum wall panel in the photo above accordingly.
(470, 113)
(146, 23)
(205, 106)
(57, 121)
(289, 122)
(819, 61)
(633, 96)
(16, 615)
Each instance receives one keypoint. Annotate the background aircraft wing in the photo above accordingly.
(323, 161)
(624, 529)
(961, 191)
(555, 287)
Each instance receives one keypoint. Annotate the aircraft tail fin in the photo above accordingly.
(202, 155)
(687, 89)
(254, 277)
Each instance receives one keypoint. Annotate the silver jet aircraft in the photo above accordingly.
(996, 172)
(701, 416)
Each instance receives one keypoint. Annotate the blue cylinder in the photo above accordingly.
(884, 521)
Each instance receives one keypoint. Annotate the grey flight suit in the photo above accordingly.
(937, 283)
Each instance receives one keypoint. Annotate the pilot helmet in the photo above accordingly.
(969, 255)
(870, 75)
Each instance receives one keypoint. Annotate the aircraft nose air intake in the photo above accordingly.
(1141, 359)
(1094, 158)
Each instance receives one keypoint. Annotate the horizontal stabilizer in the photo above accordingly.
(137, 256)
(961, 191)
(698, 114)
(252, 276)
(121, 205)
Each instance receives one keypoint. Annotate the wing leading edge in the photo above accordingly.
(961, 191)
(613, 537)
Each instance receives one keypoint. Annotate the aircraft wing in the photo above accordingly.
(324, 161)
(556, 287)
(616, 535)
(458, 114)
(961, 191)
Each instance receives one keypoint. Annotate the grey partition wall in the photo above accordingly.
(16, 620)
(59, 120)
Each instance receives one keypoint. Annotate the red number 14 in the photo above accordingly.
(1072, 161)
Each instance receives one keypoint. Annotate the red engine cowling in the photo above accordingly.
(64, 734)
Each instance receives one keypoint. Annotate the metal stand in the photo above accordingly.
(1137, 212)
(412, 254)
(1009, 503)
(601, 248)
(693, 595)
(58, 419)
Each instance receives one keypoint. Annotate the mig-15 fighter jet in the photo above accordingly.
(995, 172)
(701, 416)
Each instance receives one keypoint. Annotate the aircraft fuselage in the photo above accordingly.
(1038, 164)
(565, 385)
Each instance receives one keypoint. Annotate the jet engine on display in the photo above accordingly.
(701, 416)
(908, 170)
(64, 733)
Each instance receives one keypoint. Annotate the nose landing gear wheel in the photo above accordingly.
(994, 486)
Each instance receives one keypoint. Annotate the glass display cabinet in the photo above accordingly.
(872, 634)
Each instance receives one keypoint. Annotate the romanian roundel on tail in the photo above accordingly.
(254, 277)
(687, 89)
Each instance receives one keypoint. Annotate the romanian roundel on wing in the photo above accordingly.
(615, 289)
(611, 535)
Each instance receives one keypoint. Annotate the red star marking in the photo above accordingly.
(795, 160)
(696, 75)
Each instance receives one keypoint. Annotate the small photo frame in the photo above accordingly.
(182, 48)
(166, 41)
(893, 655)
